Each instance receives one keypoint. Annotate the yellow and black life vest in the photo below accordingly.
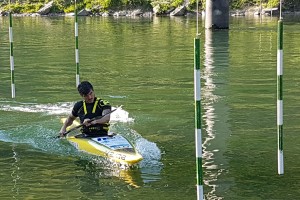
(95, 111)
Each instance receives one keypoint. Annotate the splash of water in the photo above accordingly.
(150, 165)
(41, 137)
(62, 108)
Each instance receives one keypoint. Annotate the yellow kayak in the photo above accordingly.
(115, 147)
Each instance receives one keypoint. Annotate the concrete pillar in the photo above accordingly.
(217, 14)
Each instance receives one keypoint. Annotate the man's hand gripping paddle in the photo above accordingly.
(93, 119)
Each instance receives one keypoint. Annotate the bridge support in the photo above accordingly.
(217, 14)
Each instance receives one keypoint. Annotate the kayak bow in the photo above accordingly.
(115, 147)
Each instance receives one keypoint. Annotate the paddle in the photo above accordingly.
(93, 119)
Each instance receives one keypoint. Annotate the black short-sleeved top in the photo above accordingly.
(85, 110)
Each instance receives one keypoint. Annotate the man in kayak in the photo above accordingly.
(87, 109)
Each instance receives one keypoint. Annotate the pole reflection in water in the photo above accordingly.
(15, 173)
(214, 107)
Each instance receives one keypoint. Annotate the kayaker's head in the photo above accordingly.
(86, 90)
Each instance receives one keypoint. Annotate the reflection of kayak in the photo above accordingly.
(115, 147)
(97, 171)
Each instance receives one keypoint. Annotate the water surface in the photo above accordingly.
(146, 65)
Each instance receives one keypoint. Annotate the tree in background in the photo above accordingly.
(66, 6)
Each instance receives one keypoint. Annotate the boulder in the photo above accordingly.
(270, 11)
(83, 12)
(120, 13)
(179, 11)
(156, 9)
(148, 14)
(105, 14)
(137, 12)
(45, 9)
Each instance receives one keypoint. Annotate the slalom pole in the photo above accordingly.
(198, 134)
(280, 94)
(76, 47)
(12, 67)
(197, 95)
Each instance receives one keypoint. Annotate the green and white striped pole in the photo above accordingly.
(12, 67)
(198, 134)
(76, 47)
(280, 95)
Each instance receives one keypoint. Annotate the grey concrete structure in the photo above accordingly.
(217, 14)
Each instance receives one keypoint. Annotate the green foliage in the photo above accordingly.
(69, 9)
(88, 4)
(22, 8)
(273, 3)
(163, 7)
(176, 3)
(14, 8)
(132, 3)
(193, 5)
(58, 6)
(30, 6)
(105, 4)
(236, 4)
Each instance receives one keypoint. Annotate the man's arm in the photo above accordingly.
(68, 122)
(106, 118)
(102, 120)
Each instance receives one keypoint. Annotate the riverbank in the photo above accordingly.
(183, 10)
(256, 10)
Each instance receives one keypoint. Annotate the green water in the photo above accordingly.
(146, 65)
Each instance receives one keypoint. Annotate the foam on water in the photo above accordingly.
(61, 108)
(151, 165)
(50, 109)
(120, 115)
